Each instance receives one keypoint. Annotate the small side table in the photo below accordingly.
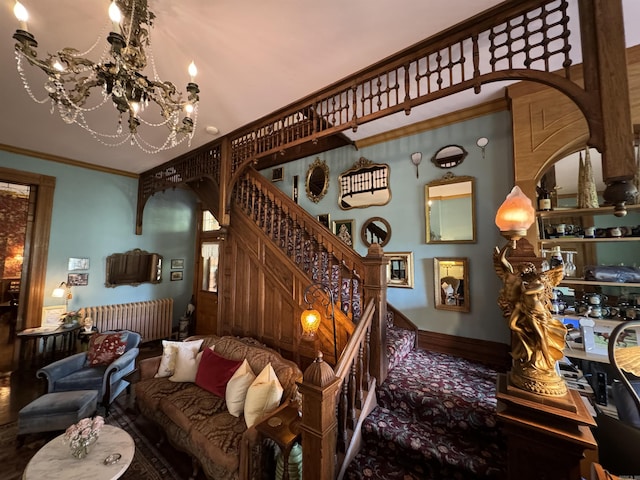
(132, 377)
(85, 337)
(283, 429)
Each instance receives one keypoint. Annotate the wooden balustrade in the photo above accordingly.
(315, 250)
(336, 402)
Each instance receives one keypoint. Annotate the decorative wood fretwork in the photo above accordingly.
(526, 40)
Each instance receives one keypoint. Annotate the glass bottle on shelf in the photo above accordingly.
(556, 258)
(544, 197)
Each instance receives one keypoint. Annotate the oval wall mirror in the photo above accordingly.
(449, 156)
(450, 210)
(375, 230)
(317, 181)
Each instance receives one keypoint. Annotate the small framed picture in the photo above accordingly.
(76, 263)
(77, 279)
(277, 174)
(344, 230)
(177, 263)
(177, 275)
(323, 218)
(400, 269)
(51, 315)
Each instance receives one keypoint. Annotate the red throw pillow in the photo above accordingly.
(215, 371)
(104, 348)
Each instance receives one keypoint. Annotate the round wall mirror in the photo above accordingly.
(375, 230)
(317, 181)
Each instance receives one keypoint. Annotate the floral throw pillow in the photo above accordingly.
(104, 348)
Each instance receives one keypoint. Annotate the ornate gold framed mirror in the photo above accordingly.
(317, 181)
(451, 284)
(450, 210)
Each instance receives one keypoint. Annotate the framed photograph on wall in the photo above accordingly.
(277, 174)
(177, 263)
(51, 316)
(343, 229)
(77, 279)
(323, 218)
(400, 269)
(78, 263)
(177, 275)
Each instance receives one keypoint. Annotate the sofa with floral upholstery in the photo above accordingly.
(208, 403)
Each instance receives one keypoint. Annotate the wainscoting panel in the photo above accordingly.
(492, 353)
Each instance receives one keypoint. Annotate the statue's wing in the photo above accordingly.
(553, 276)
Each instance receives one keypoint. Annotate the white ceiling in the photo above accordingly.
(253, 57)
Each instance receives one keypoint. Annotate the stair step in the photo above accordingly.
(400, 342)
(431, 448)
(445, 391)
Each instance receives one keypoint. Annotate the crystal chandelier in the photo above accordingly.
(118, 75)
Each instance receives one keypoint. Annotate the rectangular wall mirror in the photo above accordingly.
(451, 284)
(450, 210)
(133, 268)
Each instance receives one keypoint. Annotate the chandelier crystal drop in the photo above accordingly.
(117, 78)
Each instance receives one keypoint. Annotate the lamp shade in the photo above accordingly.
(516, 212)
(310, 320)
(58, 292)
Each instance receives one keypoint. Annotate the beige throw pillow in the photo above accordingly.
(169, 354)
(187, 361)
(263, 395)
(237, 388)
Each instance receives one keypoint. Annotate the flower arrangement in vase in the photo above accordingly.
(82, 435)
(69, 319)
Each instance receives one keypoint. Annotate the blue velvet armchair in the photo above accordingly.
(72, 373)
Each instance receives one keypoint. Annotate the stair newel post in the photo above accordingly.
(375, 287)
(319, 390)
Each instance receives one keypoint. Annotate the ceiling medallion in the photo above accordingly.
(117, 76)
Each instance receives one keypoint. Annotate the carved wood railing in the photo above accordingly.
(316, 251)
(527, 40)
(334, 404)
(357, 394)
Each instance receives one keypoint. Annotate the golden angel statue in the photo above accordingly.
(538, 338)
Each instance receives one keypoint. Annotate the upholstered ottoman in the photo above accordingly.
(56, 411)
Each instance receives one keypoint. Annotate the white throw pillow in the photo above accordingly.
(237, 388)
(187, 361)
(169, 353)
(263, 395)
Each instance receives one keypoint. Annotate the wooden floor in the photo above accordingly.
(20, 387)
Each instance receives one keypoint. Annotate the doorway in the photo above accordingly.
(209, 241)
(16, 210)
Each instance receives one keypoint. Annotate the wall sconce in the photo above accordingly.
(311, 318)
(416, 158)
(63, 291)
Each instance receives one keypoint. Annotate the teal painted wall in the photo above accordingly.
(94, 216)
(406, 214)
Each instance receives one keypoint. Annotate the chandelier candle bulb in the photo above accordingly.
(193, 71)
(115, 16)
(22, 15)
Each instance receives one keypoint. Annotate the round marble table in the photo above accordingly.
(54, 460)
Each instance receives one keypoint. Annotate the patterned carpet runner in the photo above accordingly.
(436, 419)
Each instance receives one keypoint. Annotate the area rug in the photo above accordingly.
(149, 462)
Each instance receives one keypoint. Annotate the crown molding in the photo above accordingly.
(66, 161)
